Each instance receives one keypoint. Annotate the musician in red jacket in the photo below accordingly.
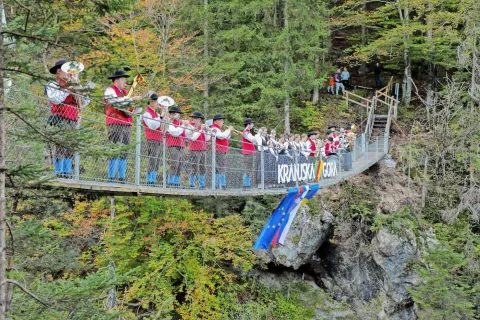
(311, 142)
(152, 120)
(197, 146)
(119, 121)
(65, 107)
(221, 150)
(248, 151)
(175, 136)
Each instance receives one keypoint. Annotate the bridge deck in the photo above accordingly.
(94, 158)
(360, 165)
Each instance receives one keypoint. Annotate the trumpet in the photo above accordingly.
(137, 80)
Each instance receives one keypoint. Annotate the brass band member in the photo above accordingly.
(248, 151)
(151, 120)
(198, 146)
(312, 136)
(175, 144)
(221, 150)
(118, 121)
(65, 109)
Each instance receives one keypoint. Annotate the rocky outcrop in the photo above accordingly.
(372, 278)
(308, 232)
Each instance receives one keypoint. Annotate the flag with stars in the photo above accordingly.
(279, 223)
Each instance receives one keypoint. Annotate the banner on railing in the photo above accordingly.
(309, 171)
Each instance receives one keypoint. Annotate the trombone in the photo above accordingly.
(137, 80)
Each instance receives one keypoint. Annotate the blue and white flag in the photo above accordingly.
(277, 227)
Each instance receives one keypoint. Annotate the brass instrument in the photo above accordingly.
(73, 69)
(137, 80)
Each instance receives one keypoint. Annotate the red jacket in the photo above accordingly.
(313, 147)
(149, 133)
(247, 146)
(200, 144)
(115, 116)
(68, 108)
(176, 141)
(329, 148)
(221, 144)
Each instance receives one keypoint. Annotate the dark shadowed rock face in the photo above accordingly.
(379, 272)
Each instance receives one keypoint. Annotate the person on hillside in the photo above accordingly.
(345, 77)
(221, 150)
(198, 138)
(378, 75)
(248, 151)
(338, 82)
(151, 121)
(119, 121)
(65, 106)
(331, 85)
(175, 136)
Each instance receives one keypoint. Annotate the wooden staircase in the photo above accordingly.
(381, 110)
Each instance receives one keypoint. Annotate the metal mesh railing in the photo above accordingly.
(120, 153)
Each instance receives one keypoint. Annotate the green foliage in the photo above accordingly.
(449, 272)
(401, 222)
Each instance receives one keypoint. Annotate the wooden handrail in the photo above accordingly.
(356, 95)
(357, 102)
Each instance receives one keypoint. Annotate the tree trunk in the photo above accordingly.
(112, 294)
(3, 210)
(407, 73)
(206, 81)
(363, 70)
(316, 89)
(286, 103)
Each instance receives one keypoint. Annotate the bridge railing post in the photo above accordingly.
(262, 168)
(363, 142)
(214, 145)
(385, 143)
(340, 163)
(76, 169)
(164, 162)
(138, 150)
(376, 147)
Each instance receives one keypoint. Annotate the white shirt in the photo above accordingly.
(57, 95)
(112, 99)
(221, 135)
(175, 131)
(152, 123)
(249, 136)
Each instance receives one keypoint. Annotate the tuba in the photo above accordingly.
(137, 80)
(73, 69)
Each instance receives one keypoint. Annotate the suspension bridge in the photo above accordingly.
(32, 144)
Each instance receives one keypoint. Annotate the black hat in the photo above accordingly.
(58, 64)
(349, 127)
(332, 126)
(312, 132)
(218, 116)
(175, 109)
(197, 114)
(119, 74)
(154, 96)
(248, 121)
(329, 131)
(330, 138)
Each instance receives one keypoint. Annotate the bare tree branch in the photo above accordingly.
(28, 292)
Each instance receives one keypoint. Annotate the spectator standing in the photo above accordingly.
(338, 82)
(345, 77)
(331, 84)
